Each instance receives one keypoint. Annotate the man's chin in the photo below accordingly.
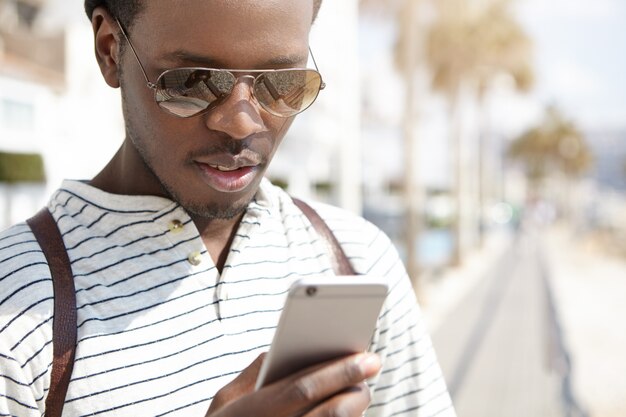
(226, 208)
(214, 211)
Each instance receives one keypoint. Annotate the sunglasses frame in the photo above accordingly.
(260, 72)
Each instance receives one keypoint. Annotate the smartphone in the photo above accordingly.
(323, 318)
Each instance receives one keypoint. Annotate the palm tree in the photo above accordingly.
(504, 49)
(556, 145)
(467, 47)
(407, 53)
(406, 61)
(463, 47)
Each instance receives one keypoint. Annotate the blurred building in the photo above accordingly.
(609, 149)
(32, 78)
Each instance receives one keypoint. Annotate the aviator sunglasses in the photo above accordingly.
(189, 91)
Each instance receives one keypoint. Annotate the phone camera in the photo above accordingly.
(311, 291)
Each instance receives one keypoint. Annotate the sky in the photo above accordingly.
(580, 57)
(580, 66)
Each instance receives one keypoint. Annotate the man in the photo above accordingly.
(182, 253)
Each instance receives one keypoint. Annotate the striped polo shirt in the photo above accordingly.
(160, 330)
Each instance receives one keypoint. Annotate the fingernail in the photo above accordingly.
(369, 363)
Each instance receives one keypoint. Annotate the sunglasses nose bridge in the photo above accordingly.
(249, 82)
(241, 89)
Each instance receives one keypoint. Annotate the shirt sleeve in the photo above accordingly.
(16, 396)
(411, 382)
(25, 324)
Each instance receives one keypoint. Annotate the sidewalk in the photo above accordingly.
(537, 330)
(439, 294)
(590, 294)
(494, 343)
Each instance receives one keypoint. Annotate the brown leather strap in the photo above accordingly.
(339, 260)
(64, 323)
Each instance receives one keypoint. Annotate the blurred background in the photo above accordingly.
(487, 138)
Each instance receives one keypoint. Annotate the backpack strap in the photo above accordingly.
(64, 322)
(339, 260)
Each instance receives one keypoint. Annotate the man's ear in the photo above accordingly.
(107, 42)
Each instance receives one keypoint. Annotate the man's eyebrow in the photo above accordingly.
(181, 55)
(206, 61)
(285, 60)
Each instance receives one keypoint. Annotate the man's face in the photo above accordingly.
(212, 163)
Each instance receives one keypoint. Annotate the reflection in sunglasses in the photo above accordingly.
(188, 91)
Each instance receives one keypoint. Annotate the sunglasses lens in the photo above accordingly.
(287, 92)
(186, 92)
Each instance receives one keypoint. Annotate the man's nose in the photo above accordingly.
(238, 114)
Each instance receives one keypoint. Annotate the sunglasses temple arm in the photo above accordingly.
(132, 48)
(323, 84)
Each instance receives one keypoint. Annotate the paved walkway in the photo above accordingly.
(501, 343)
(589, 289)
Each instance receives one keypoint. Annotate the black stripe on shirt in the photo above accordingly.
(137, 274)
(173, 336)
(132, 242)
(21, 313)
(112, 232)
(197, 345)
(30, 407)
(22, 288)
(33, 330)
(13, 257)
(282, 261)
(148, 307)
(162, 376)
(28, 231)
(23, 242)
(65, 190)
(134, 257)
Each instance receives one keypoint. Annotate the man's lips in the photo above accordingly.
(223, 168)
(228, 162)
(228, 174)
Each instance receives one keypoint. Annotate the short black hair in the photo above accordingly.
(124, 10)
(127, 10)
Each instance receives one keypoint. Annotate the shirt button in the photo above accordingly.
(176, 226)
(194, 258)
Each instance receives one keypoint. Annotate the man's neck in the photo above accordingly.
(217, 235)
(125, 164)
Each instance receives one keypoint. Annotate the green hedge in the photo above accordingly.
(21, 167)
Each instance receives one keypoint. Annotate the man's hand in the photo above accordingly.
(335, 388)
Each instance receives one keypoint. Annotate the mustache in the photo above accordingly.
(239, 149)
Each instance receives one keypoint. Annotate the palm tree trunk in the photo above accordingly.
(410, 52)
(456, 186)
(482, 161)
